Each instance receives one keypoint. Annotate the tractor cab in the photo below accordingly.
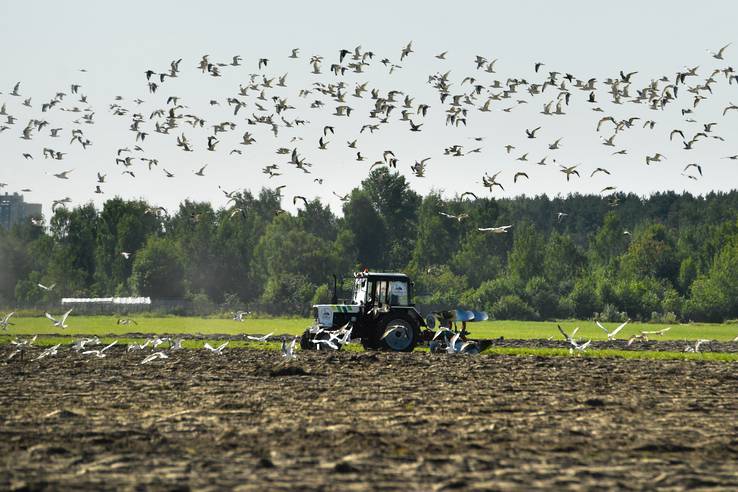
(380, 312)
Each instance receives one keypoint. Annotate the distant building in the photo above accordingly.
(13, 210)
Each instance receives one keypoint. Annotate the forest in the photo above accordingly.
(665, 258)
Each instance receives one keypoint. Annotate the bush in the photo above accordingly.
(489, 293)
(513, 307)
(610, 314)
(666, 318)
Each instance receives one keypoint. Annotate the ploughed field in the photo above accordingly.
(355, 421)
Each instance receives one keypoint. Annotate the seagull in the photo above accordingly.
(218, 350)
(80, 344)
(60, 323)
(719, 54)
(21, 346)
(288, 351)
(458, 218)
(644, 335)
(49, 288)
(125, 254)
(63, 175)
(49, 351)
(560, 215)
(580, 347)
(696, 347)
(695, 165)
(154, 356)
(326, 342)
(532, 133)
(261, 338)
(5, 321)
(611, 334)
(569, 171)
(495, 230)
(451, 346)
(99, 353)
(201, 172)
(239, 315)
(519, 175)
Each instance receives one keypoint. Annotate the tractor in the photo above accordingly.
(380, 312)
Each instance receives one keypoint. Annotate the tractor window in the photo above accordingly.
(399, 293)
(382, 287)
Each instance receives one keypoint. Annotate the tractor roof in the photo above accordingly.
(382, 274)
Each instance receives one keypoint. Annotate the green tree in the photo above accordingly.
(158, 270)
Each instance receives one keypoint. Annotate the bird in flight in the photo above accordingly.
(61, 323)
(495, 230)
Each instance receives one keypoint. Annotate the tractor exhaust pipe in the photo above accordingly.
(334, 299)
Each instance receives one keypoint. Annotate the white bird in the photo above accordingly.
(99, 353)
(451, 346)
(62, 322)
(324, 341)
(696, 347)
(49, 288)
(346, 338)
(63, 175)
(5, 321)
(288, 351)
(581, 347)
(21, 346)
(176, 344)
(49, 351)
(218, 350)
(154, 356)
(80, 344)
(263, 338)
(495, 230)
(611, 334)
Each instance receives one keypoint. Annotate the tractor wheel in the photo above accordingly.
(402, 338)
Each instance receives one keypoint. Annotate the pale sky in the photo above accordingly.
(47, 43)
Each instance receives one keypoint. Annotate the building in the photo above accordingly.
(13, 210)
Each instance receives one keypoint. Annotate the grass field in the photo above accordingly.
(107, 328)
(524, 330)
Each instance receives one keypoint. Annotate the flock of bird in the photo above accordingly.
(342, 85)
(444, 340)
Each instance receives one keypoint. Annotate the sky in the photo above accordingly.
(48, 43)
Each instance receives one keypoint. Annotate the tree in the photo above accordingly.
(436, 237)
(158, 270)
(526, 257)
(397, 204)
(368, 229)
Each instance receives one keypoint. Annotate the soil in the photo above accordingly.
(356, 421)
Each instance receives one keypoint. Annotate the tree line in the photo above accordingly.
(665, 257)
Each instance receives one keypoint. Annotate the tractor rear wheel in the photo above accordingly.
(398, 334)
